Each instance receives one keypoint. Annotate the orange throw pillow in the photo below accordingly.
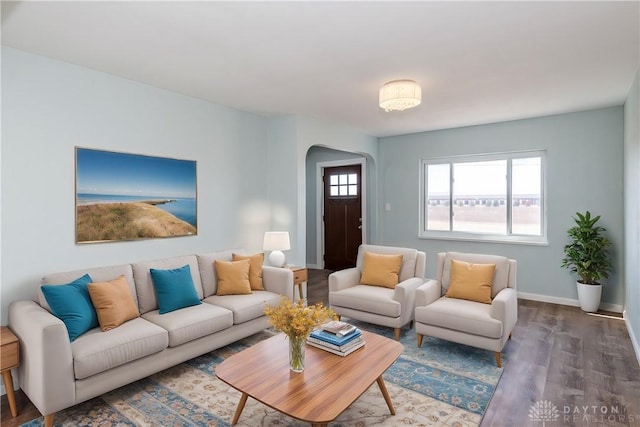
(233, 277)
(471, 281)
(381, 269)
(255, 269)
(113, 302)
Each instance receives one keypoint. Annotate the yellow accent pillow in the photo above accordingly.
(471, 281)
(381, 269)
(233, 277)
(255, 269)
(113, 302)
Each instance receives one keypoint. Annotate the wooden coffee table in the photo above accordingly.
(328, 385)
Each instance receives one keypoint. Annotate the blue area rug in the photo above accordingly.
(440, 384)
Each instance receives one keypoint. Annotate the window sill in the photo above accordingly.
(509, 240)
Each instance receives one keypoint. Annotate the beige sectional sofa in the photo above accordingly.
(56, 373)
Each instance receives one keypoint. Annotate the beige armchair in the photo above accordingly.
(392, 307)
(483, 325)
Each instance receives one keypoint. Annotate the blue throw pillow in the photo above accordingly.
(71, 303)
(174, 289)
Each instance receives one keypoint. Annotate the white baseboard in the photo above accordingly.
(314, 266)
(616, 308)
(636, 345)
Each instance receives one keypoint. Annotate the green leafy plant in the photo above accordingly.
(587, 254)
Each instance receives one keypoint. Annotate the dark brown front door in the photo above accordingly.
(342, 216)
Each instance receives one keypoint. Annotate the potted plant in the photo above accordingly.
(587, 256)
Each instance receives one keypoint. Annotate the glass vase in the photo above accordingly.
(296, 353)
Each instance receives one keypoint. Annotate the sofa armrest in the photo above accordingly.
(46, 363)
(429, 292)
(504, 307)
(343, 279)
(278, 280)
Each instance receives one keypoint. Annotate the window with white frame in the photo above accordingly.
(493, 197)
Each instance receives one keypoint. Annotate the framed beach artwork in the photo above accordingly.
(121, 196)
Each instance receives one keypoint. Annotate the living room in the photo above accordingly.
(65, 84)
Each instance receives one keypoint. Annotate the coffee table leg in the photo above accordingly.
(241, 404)
(385, 394)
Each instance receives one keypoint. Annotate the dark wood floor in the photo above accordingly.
(581, 363)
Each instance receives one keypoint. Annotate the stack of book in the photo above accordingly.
(337, 337)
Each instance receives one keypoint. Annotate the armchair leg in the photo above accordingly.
(510, 334)
(420, 336)
(397, 333)
(498, 361)
(48, 420)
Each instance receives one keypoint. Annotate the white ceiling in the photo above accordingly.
(477, 62)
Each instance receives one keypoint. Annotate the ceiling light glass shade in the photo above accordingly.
(398, 95)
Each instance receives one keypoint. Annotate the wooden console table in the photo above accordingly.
(299, 277)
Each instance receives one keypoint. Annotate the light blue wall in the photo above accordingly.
(632, 212)
(282, 161)
(584, 172)
(48, 107)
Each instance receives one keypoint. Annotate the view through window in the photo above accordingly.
(489, 196)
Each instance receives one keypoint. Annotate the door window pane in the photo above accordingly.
(343, 185)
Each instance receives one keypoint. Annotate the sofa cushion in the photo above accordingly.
(113, 302)
(207, 271)
(174, 288)
(460, 315)
(255, 269)
(233, 277)
(191, 323)
(500, 276)
(381, 269)
(409, 256)
(245, 307)
(471, 281)
(145, 290)
(372, 299)
(97, 351)
(71, 303)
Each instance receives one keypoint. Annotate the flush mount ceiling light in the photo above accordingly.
(398, 95)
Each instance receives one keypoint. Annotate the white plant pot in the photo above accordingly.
(589, 296)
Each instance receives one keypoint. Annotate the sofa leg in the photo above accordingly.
(48, 420)
(397, 333)
(498, 361)
(420, 336)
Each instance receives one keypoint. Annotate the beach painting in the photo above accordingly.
(121, 196)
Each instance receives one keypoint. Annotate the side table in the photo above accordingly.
(299, 277)
(10, 358)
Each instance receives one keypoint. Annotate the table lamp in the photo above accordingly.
(276, 242)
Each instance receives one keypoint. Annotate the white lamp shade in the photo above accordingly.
(276, 241)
